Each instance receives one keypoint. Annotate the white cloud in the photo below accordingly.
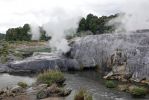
(17, 12)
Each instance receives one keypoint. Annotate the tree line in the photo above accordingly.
(92, 23)
(22, 34)
(95, 24)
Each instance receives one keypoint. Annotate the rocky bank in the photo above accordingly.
(120, 56)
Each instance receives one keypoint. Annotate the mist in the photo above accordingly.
(35, 32)
(134, 16)
(58, 28)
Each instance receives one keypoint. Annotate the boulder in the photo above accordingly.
(53, 91)
(43, 61)
(122, 54)
(17, 89)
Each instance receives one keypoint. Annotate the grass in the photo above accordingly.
(82, 94)
(50, 77)
(110, 84)
(22, 84)
(138, 91)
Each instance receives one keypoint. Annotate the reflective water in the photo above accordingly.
(7, 80)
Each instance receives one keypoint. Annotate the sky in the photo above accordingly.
(14, 13)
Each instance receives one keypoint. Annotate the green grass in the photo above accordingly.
(110, 84)
(50, 77)
(22, 84)
(138, 91)
(82, 94)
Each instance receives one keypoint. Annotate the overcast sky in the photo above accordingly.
(15, 13)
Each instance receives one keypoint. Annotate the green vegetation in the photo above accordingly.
(138, 91)
(22, 84)
(82, 94)
(50, 77)
(22, 34)
(4, 51)
(97, 25)
(18, 34)
(110, 84)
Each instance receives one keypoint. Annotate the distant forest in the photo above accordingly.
(92, 23)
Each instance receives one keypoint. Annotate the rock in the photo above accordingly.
(42, 94)
(65, 92)
(17, 89)
(43, 61)
(60, 82)
(53, 89)
(42, 86)
(119, 53)
(130, 88)
(123, 87)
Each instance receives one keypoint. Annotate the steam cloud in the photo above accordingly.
(57, 28)
(135, 15)
(35, 32)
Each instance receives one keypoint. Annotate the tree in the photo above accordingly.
(97, 25)
(18, 34)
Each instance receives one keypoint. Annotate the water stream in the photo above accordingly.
(89, 80)
(92, 82)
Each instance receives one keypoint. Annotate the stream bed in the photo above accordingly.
(92, 82)
(89, 80)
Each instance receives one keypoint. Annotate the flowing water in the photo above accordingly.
(89, 80)
(92, 82)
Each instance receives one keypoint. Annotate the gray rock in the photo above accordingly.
(43, 61)
(17, 89)
(96, 50)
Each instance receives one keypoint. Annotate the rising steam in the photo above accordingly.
(134, 16)
(35, 32)
(57, 28)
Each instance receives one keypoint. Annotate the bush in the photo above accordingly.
(50, 77)
(22, 84)
(83, 95)
(110, 84)
(138, 91)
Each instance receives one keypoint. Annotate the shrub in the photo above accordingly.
(83, 95)
(22, 84)
(110, 84)
(50, 77)
(138, 91)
